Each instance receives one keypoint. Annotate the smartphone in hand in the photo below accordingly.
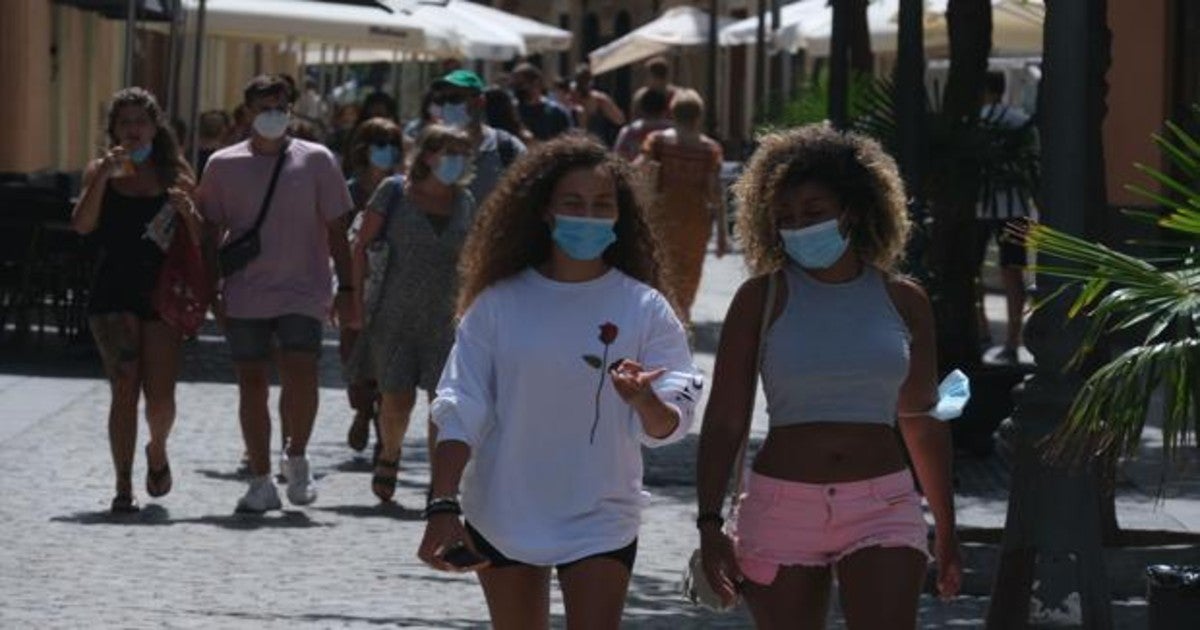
(462, 557)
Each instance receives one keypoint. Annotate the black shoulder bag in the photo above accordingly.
(238, 253)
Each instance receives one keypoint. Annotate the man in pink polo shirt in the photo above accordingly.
(280, 299)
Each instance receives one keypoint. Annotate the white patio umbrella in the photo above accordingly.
(319, 22)
(538, 36)
(795, 20)
(881, 23)
(473, 35)
(1016, 26)
(679, 26)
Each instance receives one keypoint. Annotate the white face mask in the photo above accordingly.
(271, 124)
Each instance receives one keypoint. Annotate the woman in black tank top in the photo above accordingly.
(133, 197)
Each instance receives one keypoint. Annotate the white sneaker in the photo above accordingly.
(283, 466)
(302, 488)
(260, 497)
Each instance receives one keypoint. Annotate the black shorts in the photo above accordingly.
(1012, 254)
(625, 555)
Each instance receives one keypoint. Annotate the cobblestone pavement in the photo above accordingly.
(188, 562)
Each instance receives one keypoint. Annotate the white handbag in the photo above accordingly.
(695, 586)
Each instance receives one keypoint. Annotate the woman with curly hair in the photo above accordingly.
(567, 360)
(847, 355)
(132, 198)
(375, 154)
(424, 219)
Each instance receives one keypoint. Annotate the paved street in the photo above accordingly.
(187, 562)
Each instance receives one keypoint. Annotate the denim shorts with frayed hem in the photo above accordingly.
(250, 339)
(789, 523)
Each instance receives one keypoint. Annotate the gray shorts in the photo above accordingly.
(250, 339)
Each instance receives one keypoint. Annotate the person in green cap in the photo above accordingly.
(459, 96)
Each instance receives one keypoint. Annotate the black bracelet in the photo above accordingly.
(442, 506)
(710, 517)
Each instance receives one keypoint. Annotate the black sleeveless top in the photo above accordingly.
(128, 264)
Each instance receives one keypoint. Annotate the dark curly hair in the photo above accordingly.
(853, 166)
(169, 164)
(511, 235)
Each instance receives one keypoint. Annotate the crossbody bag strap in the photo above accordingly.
(266, 203)
(739, 467)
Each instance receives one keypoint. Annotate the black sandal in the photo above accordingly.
(360, 431)
(384, 485)
(158, 482)
(125, 504)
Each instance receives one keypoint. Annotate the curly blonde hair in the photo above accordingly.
(511, 234)
(853, 166)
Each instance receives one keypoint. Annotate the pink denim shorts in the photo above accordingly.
(787, 523)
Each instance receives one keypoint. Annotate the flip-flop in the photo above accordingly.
(124, 504)
(158, 482)
(384, 485)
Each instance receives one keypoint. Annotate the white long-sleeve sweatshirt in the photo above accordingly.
(520, 388)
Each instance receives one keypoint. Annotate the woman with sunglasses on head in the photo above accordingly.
(133, 199)
(848, 356)
(424, 218)
(566, 362)
(375, 154)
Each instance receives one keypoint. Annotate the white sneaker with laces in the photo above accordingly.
(260, 497)
(302, 488)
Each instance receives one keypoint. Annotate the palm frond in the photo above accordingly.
(1110, 410)
(1121, 292)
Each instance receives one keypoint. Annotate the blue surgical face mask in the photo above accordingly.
(456, 115)
(583, 238)
(450, 168)
(383, 156)
(816, 246)
(954, 393)
(141, 154)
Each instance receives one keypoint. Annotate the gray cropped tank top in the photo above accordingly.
(837, 352)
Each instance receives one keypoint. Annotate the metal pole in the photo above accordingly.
(711, 110)
(196, 80)
(130, 39)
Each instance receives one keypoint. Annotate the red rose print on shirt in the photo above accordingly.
(608, 334)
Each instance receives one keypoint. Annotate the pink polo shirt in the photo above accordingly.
(292, 274)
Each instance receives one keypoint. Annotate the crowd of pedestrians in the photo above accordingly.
(535, 282)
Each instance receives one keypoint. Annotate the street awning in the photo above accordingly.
(538, 36)
(677, 27)
(320, 22)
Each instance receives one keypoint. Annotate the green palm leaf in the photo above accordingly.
(1120, 292)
